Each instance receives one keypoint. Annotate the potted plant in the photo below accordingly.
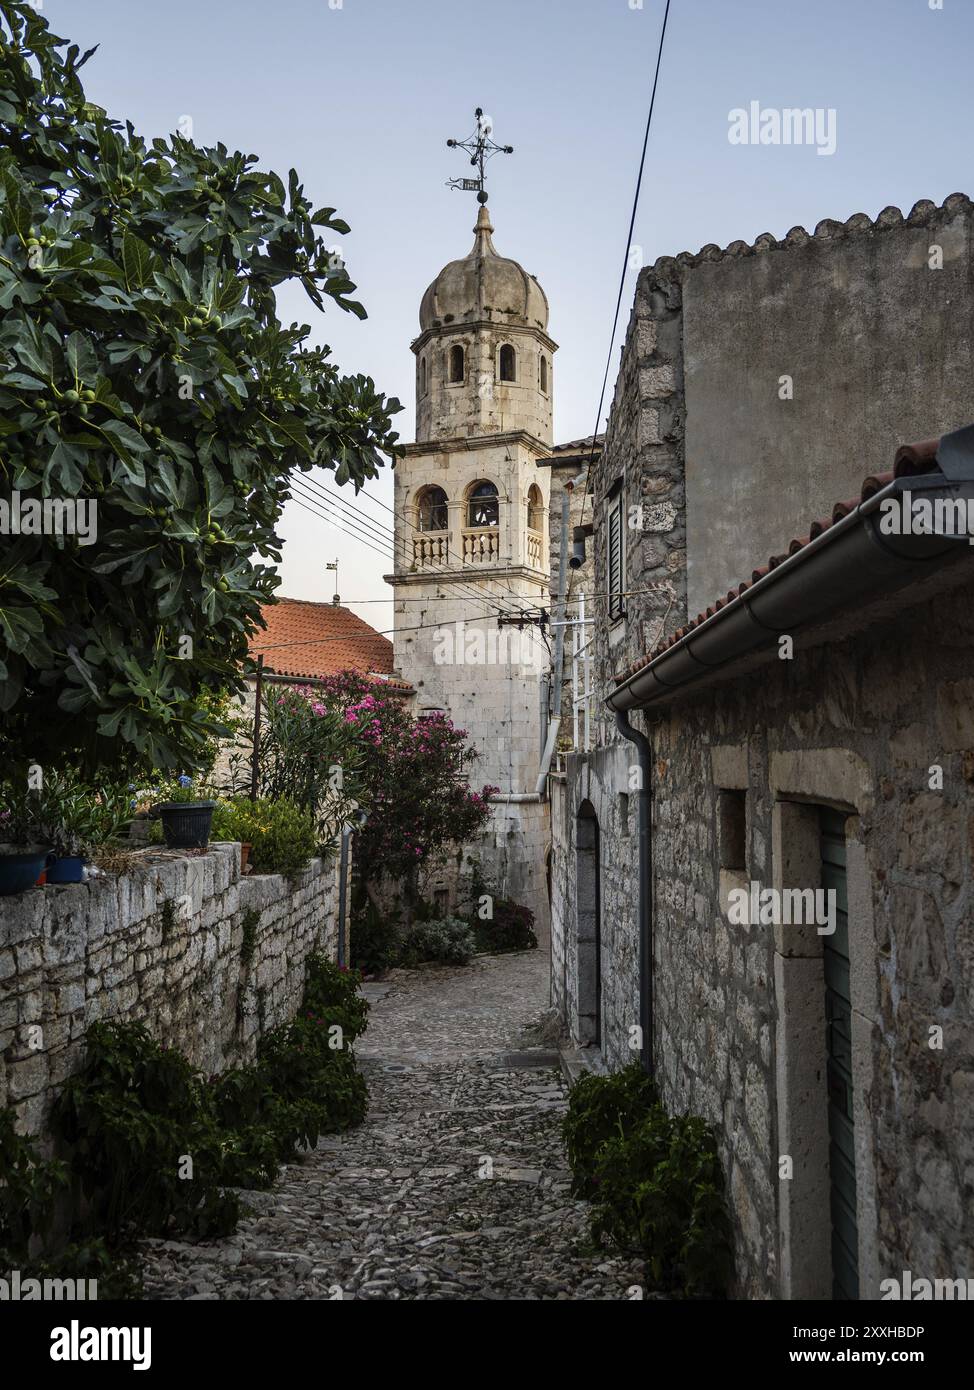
(186, 817)
(23, 854)
(75, 817)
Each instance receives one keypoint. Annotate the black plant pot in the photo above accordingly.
(186, 824)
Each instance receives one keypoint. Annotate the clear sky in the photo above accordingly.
(360, 97)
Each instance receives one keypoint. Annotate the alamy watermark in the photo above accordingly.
(14, 1288)
(911, 515)
(755, 124)
(50, 516)
(755, 906)
(913, 1290)
(465, 644)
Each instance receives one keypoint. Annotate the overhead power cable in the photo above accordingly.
(625, 264)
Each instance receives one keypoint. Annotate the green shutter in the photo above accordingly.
(838, 1016)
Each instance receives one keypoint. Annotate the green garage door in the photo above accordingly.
(838, 1015)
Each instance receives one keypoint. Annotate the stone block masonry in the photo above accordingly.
(206, 959)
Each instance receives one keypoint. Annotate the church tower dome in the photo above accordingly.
(484, 286)
(483, 356)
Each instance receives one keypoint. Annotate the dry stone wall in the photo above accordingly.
(206, 959)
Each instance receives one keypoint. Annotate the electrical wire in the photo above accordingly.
(463, 587)
(625, 267)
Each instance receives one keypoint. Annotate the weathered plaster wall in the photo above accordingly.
(880, 350)
(161, 945)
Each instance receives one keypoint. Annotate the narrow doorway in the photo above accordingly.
(838, 1033)
(589, 925)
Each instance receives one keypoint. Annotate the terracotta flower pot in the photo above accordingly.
(245, 858)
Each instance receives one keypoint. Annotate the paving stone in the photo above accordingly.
(401, 1208)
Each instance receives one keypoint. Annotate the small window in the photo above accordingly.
(508, 363)
(456, 363)
(544, 374)
(482, 506)
(422, 376)
(615, 566)
(433, 510)
(732, 830)
(535, 508)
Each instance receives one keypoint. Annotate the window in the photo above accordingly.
(544, 374)
(456, 363)
(422, 376)
(482, 505)
(433, 510)
(732, 830)
(615, 564)
(508, 363)
(535, 508)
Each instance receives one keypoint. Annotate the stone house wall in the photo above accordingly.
(854, 723)
(857, 725)
(162, 944)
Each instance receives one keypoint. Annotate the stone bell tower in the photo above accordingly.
(471, 544)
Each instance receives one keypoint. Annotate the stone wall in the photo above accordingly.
(644, 454)
(807, 363)
(164, 945)
(714, 477)
(858, 723)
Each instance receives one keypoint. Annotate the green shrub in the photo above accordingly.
(655, 1181)
(137, 1109)
(29, 1189)
(281, 835)
(332, 992)
(510, 928)
(448, 941)
(373, 939)
(129, 1118)
(601, 1108)
(660, 1190)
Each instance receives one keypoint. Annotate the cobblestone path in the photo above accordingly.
(454, 1187)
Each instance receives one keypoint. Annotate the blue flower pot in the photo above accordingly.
(70, 868)
(21, 868)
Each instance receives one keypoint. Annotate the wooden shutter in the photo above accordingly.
(614, 564)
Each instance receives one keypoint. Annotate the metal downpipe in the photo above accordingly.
(645, 794)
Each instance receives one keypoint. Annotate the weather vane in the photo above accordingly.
(480, 147)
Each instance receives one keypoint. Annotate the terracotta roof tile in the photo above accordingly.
(911, 461)
(312, 640)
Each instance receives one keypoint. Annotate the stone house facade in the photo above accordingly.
(810, 731)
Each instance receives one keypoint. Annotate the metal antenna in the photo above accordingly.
(480, 147)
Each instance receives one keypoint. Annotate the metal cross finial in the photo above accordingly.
(480, 147)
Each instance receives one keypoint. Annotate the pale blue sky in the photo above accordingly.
(360, 99)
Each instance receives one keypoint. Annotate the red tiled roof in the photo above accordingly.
(911, 461)
(578, 446)
(312, 640)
